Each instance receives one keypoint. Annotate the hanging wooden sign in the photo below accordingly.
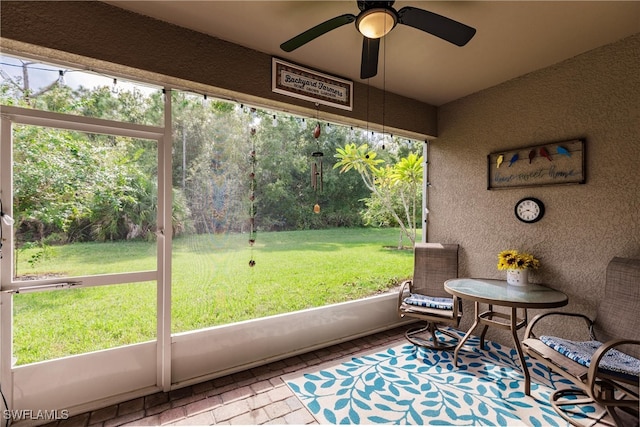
(303, 83)
(555, 163)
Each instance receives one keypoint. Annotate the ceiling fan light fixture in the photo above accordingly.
(376, 23)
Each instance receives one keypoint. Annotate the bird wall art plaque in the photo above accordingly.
(561, 162)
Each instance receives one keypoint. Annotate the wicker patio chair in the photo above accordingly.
(604, 370)
(424, 297)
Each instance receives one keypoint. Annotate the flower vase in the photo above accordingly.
(518, 277)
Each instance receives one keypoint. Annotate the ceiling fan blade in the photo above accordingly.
(370, 50)
(447, 29)
(317, 31)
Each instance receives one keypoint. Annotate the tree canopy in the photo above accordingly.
(70, 186)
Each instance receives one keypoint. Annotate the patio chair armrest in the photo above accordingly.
(405, 288)
(456, 305)
(602, 351)
(528, 333)
(592, 373)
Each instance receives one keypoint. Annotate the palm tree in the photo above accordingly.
(402, 180)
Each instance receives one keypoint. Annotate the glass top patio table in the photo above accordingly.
(500, 293)
(493, 291)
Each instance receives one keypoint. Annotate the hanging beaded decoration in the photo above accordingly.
(316, 169)
(252, 197)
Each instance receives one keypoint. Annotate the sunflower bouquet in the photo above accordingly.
(514, 260)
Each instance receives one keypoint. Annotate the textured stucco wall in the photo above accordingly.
(107, 33)
(594, 95)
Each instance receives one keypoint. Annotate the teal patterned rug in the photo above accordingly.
(405, 384)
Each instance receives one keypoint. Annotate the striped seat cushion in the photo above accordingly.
(429, 302)
(613, 363)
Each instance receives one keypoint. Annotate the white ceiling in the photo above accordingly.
(513, 38)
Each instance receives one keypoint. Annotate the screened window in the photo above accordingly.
(273, 227)
(271, 212)
(43, 86)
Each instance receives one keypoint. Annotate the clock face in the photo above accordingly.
(529, 210)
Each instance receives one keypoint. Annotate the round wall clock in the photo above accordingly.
(529, 210)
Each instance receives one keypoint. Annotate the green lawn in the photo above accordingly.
(212, 284)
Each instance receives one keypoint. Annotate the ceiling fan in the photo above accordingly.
(375, 20)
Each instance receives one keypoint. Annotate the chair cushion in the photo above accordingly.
(613, 363)
(429, 302)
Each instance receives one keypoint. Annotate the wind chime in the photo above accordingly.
(316, 169)
(252, 197)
